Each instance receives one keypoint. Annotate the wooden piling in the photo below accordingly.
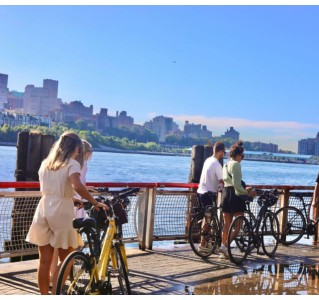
(32, 148)
(22, 154)
(198, 156)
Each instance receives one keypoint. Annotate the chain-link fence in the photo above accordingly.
(173, 210)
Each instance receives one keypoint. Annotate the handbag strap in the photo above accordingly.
(228, 172)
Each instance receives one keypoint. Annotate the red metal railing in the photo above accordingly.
(36, 184)
(171, 211)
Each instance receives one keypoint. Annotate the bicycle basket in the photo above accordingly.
(268, 199)
(121, 208)
(99, 216)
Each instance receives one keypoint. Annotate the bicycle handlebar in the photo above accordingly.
(113, 199)
(124, 194)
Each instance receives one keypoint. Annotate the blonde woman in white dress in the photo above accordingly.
(79, 211)
(59, 177)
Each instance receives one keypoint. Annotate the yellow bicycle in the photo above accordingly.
(102, 268)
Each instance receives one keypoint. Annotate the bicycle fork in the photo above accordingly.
(114, 259)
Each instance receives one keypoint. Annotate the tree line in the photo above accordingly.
(123, 138)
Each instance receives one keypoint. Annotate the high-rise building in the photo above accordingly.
(75, 110)
(309, 146)
(3, 90)
(122, 119)
(231, 134)
(41, 100)
(161, 126)
(14, 101)
(196, 131)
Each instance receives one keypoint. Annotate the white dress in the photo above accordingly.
(80, 213)
(52, 221)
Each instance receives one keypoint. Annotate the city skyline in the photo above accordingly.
(250, 67)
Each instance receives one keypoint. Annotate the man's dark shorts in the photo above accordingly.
(208, 198)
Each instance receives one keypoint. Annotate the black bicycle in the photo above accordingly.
(245, 234)
(296, 222)
(206, 224)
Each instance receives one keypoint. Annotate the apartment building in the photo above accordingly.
(41, 100)
(3, 90)
(162, 126)
(309, 146)
(196, 131)
(231, 133)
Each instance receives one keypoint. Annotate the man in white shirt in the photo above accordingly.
(210, 180)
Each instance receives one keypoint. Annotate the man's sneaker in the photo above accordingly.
(223, 252)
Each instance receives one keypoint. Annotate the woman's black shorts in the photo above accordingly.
(231, 203)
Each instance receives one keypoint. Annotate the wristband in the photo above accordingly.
(95, 203)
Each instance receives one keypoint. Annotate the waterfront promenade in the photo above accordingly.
(175, 270)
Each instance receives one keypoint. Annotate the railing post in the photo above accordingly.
(146, 208)
(284, 202)
(150, 218)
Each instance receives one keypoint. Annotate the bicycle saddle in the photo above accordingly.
(84, 222)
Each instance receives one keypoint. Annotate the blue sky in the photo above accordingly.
(251, 67)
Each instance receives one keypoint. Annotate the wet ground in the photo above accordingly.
(174, 270)
(268, 279)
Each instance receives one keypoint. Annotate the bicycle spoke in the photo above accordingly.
(239, 240)
(294, 225)
(118, 274)
(74, 276)
(269, 237)
(209, 235)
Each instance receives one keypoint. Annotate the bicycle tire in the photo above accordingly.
(295, 226)
(74, 275)
(240, 246)
(212, 235)
(269, 234)
(118, 274)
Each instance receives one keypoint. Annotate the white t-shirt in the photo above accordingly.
(212, 173)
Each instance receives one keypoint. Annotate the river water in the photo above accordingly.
(126, 167)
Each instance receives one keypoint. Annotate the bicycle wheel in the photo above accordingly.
(269, 234)
(118, 274)
(210, 233)
(74, 275)
(239, 240)
(295, 226)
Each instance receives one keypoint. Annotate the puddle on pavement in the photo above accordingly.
(280, 279)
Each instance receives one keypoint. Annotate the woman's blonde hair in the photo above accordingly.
(63, 149)
(87, 152)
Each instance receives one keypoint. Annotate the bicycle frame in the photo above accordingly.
(106, 261)
(107, 255)
(261, 214)
(106, 250)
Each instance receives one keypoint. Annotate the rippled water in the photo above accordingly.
(124, 167)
